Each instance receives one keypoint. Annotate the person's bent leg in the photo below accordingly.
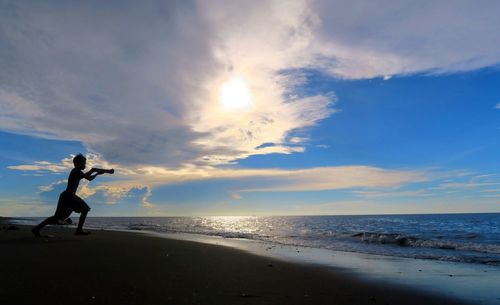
(80, 206)
(81, 221)
(49, 221)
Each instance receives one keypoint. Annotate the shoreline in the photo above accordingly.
(437, 248)
(110, 267)
(453, 279)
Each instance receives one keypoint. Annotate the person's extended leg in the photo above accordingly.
(79, 230)
(62, 212)
(49, 221)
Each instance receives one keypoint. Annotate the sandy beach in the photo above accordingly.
(110, 267)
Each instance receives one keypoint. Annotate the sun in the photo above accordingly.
(235, 95)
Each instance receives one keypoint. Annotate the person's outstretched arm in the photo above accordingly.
(88, 175)
(94, 172)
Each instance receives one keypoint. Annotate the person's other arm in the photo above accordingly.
(91, 174)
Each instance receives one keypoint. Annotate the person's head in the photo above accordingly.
(79, 161)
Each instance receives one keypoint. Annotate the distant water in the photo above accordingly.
(468, 238)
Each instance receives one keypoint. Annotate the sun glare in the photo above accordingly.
(235, 95)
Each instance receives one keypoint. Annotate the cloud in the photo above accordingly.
(395, 37)
(261, 180)
(470, 182)
(269, 180)
(23, 207)
(466, 185)
(139, 84)
(50, 187)
(337, 177)
(298, 140)
(311, 179)
(40, 166)
(386, 194)
(420, 205)
(372, 188)
(497, 106)
(235, 196)
(145, 198)
(490, 191)
(66, 164)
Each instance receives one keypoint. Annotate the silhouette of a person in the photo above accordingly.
(68, 200)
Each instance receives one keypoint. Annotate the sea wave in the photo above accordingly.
(410, 241)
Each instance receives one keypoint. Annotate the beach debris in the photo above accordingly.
(12, 228)
(269, 265)
(92, 297)
(450, 275)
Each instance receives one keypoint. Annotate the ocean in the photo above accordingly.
(465, 238)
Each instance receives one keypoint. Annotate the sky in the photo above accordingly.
(306, 107)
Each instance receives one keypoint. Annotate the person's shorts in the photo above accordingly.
(69, 203)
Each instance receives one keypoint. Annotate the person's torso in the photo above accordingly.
(74, 180)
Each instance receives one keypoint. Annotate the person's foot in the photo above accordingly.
(81, 232)
(36, 232)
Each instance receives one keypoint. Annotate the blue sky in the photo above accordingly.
(215, 109)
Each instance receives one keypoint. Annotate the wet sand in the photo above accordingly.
(126, 268)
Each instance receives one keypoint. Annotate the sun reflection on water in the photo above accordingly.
(240, 224)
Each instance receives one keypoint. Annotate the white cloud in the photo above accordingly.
(66, 164)
(261, 180)
(391, 193)
(23, 207)
(235, 196)
(266, 180)
(398, 37)
(46, 166)
(497, 106)
(466, 185)
(139, 85)
(298, 140)
(374, 187)
(50, 187)
(145, 198)
(333, 178)
(39, 166)
(421, 205)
